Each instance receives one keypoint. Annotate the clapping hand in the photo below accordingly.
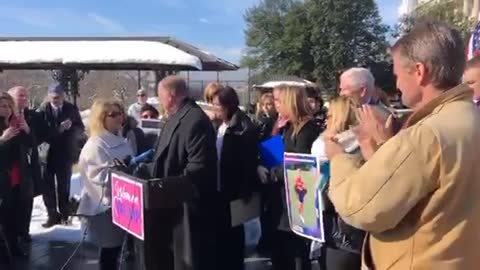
(332, 147)
(373, 130)
(65, 125)
(9, 133)
(374, 125)
(22, 123)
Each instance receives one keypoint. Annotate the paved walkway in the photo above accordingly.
(45, 255)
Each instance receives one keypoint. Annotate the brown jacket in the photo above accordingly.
(419, 195)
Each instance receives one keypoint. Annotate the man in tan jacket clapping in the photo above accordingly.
(418, 194)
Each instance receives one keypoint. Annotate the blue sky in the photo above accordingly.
(214, 25)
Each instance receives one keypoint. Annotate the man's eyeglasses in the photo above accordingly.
(141, 95)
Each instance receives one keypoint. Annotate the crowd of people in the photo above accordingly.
(405, 197)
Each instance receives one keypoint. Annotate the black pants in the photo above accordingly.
(109, 258)
(12, 216)
(231, 252)
(27, 206)
(63, 174)
(291, 252)
(336, 259)
(266, 240)
(158, 249)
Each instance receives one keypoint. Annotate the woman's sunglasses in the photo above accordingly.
(114, 114)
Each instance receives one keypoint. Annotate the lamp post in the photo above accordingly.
(69, 78)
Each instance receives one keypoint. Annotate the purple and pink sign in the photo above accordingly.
(127, 205)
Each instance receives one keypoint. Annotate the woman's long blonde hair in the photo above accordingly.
(341, 115)
(261, 101)
(98, 114)
(296, 103)
(10, 102)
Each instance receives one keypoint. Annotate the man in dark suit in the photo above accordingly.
(65, 130)
(184, 237)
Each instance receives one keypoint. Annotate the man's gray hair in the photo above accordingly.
(176, 85)
(360, 77)
(14, 89)
(439, 47)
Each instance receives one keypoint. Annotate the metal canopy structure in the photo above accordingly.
(71, 58)
(276, 81)
(209, 62)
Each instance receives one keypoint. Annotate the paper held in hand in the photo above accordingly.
(242, 211)
(348, 141)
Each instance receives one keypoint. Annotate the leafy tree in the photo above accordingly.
(265, 28)
(448, 11)
(314, 39)
(345, 34)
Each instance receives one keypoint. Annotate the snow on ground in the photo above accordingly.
(73, 233)
(70, 233)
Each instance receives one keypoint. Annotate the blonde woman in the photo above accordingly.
(104, 145)
(343, 242)
(299, 135)
(340, 117)
(266, 116)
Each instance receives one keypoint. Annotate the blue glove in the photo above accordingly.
(142, 158)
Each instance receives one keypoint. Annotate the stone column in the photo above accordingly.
(467, 7)
(475, 9)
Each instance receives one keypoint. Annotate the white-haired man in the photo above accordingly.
(33, 124)
(359, 84)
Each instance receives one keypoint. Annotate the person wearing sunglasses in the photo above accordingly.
(104, 145)
(135, 109)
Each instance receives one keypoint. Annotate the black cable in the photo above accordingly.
(85, 231)
(126, 238)
(116, 163)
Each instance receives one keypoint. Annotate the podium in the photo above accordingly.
(144, 209)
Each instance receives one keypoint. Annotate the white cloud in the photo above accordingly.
(205, 21)
(37, 17)
(107, 23)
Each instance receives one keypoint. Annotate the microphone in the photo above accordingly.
(142, 158)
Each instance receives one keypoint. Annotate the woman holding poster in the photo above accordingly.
(104, 145)
(300, 133)
(343, 243)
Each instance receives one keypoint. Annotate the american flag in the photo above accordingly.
(473, 48)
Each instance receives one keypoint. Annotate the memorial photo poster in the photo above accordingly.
(127, 205)
(303, 197)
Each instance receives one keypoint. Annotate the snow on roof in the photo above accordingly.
(95, 52)
(273, 84)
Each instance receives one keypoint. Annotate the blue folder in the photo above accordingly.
(272, 151)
